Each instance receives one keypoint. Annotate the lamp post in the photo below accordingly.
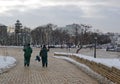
(95, 47)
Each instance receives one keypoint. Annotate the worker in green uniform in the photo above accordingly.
(44, 56)
(27, 54)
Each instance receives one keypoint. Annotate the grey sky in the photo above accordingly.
(101, 14)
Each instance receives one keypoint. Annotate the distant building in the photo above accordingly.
(118, 40)
(25, 36)
(10, 29)
(3, 34)
(44, 34)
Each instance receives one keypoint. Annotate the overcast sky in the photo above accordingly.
(101, 14)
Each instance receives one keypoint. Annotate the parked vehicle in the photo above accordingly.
(110, 48)
(118, 47)
(113, 48)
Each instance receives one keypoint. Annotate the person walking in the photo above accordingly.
(27, 54)
(44, 56)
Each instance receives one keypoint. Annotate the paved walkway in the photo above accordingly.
(57, 72)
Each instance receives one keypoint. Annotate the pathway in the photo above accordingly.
(57, 72)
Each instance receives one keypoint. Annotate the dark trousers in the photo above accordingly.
(26, 61)
(44, 61)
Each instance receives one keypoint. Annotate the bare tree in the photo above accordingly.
(3, 34)
(42, 34)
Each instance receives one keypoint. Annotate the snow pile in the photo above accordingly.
(110, 62)
(6, 62)
(86, 69)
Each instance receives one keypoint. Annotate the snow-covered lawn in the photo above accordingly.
(6, 62)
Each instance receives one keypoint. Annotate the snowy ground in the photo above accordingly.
(110, 62)
(6, 62)
(87, 70)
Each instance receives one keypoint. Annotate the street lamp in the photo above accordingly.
(95, 47)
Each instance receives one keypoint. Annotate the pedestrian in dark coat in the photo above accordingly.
(44, 56)
(27, 54)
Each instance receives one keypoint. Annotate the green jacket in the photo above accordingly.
(43, 52)
(27, 51)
